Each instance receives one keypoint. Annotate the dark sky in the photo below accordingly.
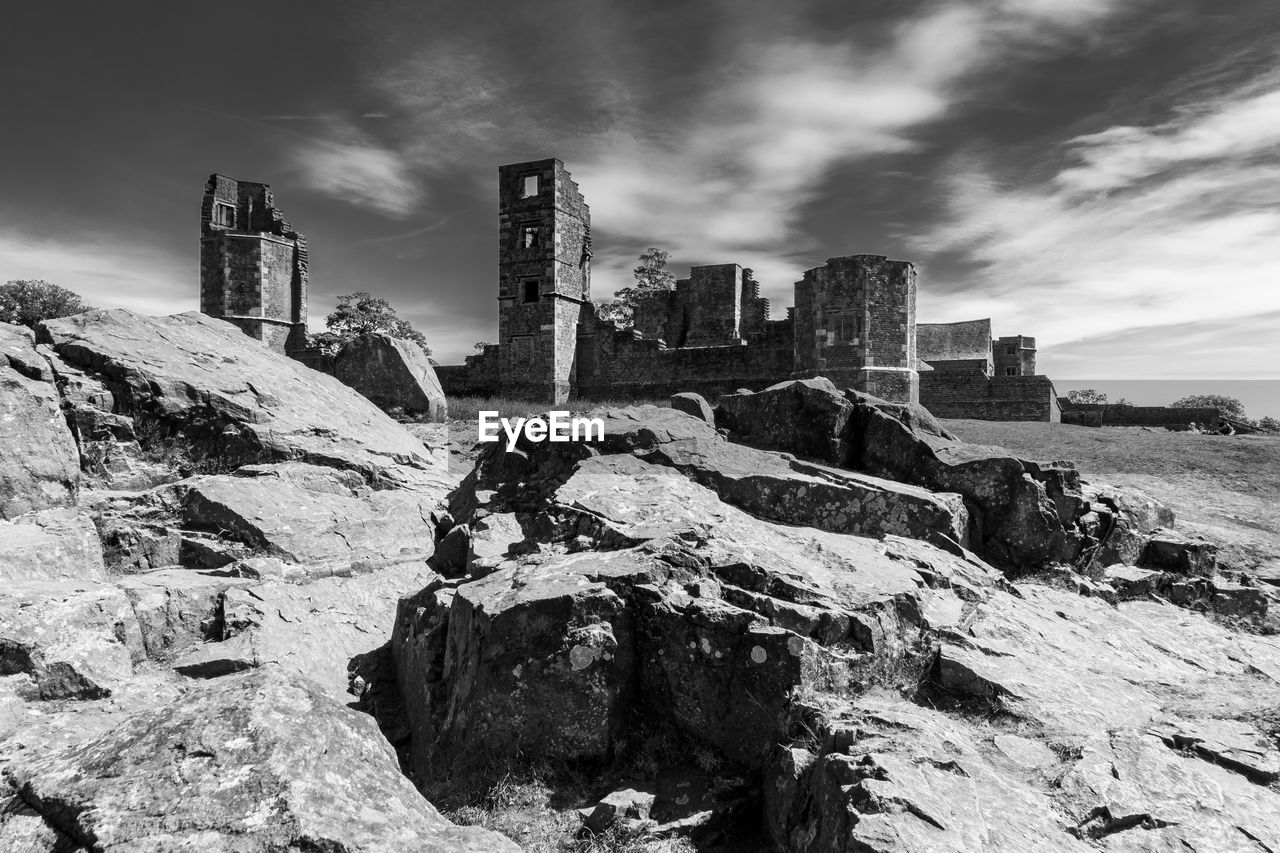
(1102, 174)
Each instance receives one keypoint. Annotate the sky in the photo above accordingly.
(1103, 175)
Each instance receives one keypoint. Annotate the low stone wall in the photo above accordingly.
(1100, 415)
(989, 398)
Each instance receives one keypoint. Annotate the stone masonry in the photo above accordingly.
(253, 264)
(544, 278)
(854, 322)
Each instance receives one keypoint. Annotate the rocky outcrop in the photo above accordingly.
(200, 384)
(50, 544)
(1022, 514)
(392, 372)
(315, 630)
(237, 764)
(639, 593)
(289, 520)
(239, 515)
(39, 465)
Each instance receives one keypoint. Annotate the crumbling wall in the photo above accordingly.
(479, 376)
(619, 364)
(717, 305)
(989, 398)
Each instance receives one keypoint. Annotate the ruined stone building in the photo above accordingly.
(253, 264)
(966, 373)
(854, 320)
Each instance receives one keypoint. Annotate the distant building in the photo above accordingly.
(253, 264)
(965, 373)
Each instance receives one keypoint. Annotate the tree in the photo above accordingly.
(480, 345)
(1087, 396)
(1269, 424)
(27, 302)
(1229, 406)
(650, 275)
(360, 313)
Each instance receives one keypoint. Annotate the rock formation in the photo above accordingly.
(802, 619)
(393, 373)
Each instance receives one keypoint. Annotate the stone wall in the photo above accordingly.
(956, 347)
(989, 398)
(1099, 415)
(622, 364)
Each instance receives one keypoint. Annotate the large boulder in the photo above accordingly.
(200, 386)
(807, 417)
(39, 463)
(254, 762)
(392, 372)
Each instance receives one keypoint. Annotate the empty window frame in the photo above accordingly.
(530, 289)
(224, 215)
(1011, 371)
(530, 185)
(1011, 350)
(530, 236)
(846, 328)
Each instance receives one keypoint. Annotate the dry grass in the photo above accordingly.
(542, 820)
(1226, 487)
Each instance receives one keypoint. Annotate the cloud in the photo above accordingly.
(355, 169)
(1168, 230)
(733, 182)
(107, 272)
(1119, 157)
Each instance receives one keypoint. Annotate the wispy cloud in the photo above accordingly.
(1171, 226)
(359, 170)
(734, 183)
(107, 272)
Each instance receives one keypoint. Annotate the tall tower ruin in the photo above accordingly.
(855, 323)
(253, 264)
(544, 278)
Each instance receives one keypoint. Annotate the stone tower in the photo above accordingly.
(855, 323)
(253, 265)
(1014, 355)
(544, 278)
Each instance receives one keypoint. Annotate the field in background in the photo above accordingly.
(1226, 487)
